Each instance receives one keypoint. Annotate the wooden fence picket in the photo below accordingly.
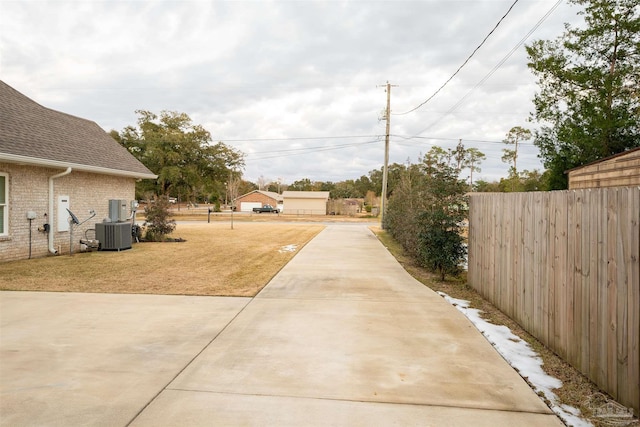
(566, 266)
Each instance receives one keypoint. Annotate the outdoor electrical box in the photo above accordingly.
(31, 215)
(118, 210)
(62, 214)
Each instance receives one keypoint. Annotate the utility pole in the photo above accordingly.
(385, 170)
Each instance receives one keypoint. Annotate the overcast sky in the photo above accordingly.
(298, 86)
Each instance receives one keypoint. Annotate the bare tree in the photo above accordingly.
(262, 183)
(233, 186)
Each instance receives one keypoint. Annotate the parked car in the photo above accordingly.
(173, 200)
(266, 209)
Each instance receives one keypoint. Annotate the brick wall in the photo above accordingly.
(29, 191)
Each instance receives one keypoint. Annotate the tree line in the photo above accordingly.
(193, 169)
(587, 108)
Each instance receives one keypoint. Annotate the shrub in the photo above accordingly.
(158, 221)
(424, 214)
(440, 244)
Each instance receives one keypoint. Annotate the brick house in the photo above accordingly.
(51, 161)
(256, 199)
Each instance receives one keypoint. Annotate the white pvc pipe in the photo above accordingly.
(51, 222)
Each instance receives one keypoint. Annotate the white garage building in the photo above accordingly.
(305, 202)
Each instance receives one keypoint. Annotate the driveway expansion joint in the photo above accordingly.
(190, 362)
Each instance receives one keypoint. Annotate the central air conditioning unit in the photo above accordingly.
(113, 236)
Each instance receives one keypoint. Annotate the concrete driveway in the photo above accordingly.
(341, 336)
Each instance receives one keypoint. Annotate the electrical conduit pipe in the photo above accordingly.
(51, 219)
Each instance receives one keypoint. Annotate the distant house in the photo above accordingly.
(619, 170)
(349, 207)
(257, 199)
(50, 162)
(305, 202)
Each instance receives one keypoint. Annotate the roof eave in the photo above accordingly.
(33, 161)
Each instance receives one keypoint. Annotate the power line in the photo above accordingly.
(288, 150)
(304, 151)
(273, 154)
(463, 64)
(297, 138)
(313, 148)
(442, 138)
(483, 144)
(496, 67)
(452, 139)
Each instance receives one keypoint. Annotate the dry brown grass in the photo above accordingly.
(201, 214)
(214, 260)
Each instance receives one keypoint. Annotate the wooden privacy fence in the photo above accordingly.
(566, 266)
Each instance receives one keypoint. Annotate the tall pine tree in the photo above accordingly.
(588, 104)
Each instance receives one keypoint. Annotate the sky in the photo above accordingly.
(298, 86)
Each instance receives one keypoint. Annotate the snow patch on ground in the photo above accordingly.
(288, 248)
(523, 359)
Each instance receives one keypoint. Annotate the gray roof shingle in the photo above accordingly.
(34, 134)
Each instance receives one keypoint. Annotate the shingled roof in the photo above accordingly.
(36, 135)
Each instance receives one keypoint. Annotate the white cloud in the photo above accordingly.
(285, 69)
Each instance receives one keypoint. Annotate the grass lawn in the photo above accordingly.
(214, 260)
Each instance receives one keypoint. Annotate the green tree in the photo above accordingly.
(393, 177)
(458, 155)
(588, 104)
(482, 186)
(276, 186)
(324, 186)
(534, 180)
(514, 136)
(437, 157)
(245, 187)
(460, 158)
(181, 154)
(403, 206)
(363, 186)
(375, 178)
(425, 212)
(441, 245)
(304, 184)
(472, 161)
(524, 181)
(344, 190)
